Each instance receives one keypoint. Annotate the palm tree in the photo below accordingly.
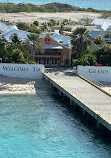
(51, 23)
(27, 48)
(61, 29)
(80, 40)
(15, 40)
(34, 39)
(3, 44)
(44, 26)
(66, 22)
(37, 43)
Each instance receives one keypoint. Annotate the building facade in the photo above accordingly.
(56, 52)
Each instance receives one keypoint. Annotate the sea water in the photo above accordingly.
(40, 126)
(97, 4)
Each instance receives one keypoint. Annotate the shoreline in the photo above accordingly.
(21, 86)
(9, 85)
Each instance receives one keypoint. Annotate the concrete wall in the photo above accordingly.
(22, 70)
(99, 73)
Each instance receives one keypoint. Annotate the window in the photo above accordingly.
(47, 60)
(107, 36)
(47, 40)
(54, 50)
(36, 60)
(39, 61)
(61, 41)
(52, 60)
(55, 60)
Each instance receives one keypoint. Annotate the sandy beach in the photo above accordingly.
(13, 85)
(42, 17)
(10, 85)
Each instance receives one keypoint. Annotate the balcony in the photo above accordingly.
(49, 53)
(52, 53)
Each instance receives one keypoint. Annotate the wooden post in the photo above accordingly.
(60, 93)
(97, 122)
(84, 112)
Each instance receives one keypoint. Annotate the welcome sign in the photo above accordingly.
(99, 73)
(22, 70)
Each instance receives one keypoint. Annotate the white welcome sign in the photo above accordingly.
(22, 70)
(99, 73)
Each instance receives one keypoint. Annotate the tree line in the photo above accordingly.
(17, 51)
(37, 27)
(83, 55)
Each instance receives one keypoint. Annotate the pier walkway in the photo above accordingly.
(88, 97)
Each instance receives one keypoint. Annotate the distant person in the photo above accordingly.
(75, 69)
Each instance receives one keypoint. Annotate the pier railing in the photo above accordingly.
(92, 80)
(99, 84)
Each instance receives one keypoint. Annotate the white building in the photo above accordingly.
(103, 29)
(21, 34)
(4, 27)
(7, 31)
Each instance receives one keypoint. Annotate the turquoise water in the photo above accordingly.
(97, 4)
(39, 126)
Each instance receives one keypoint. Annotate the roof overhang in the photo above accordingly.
(53, 47)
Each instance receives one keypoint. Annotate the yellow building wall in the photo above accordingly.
(64, 51)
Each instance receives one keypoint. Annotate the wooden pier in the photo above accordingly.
(90, 99)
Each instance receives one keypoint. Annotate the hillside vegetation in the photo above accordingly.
(51, 7)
